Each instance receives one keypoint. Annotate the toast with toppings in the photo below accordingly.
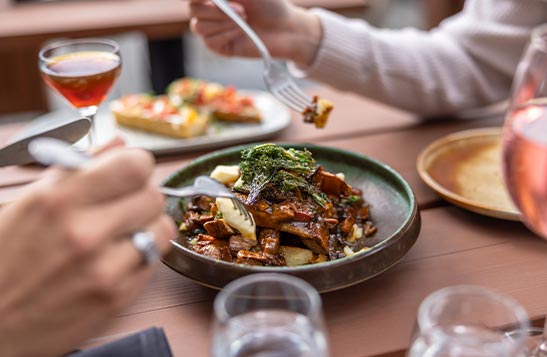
(157, 115)
(226, 103)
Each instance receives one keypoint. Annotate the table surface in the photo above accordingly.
(376, 317)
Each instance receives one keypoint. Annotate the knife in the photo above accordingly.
(70, 130)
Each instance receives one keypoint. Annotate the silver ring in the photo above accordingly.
(145, 243)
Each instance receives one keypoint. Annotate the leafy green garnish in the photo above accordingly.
(351, 200)
(285, 169)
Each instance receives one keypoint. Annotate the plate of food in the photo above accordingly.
(192, 114)
(465, 169)
(329, 216)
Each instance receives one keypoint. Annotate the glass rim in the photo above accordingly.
(538, 39)
(306, 288)
(425, 322)
(77, 41)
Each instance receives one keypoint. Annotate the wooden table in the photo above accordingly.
(374, 318)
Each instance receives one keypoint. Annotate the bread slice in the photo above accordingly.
(226, 103)
(156, 115)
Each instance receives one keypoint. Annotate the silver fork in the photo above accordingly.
(49, 151)
(204, 185)
(278, 80)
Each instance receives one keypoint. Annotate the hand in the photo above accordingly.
(288, 31)
(67, 265)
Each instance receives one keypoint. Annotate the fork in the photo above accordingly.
(278, 80)
(207, 186)
(49, 151)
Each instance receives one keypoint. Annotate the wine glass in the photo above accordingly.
(469, 321)
(83, 72)
(272, 315)
(525, 141)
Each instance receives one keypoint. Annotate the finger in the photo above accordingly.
(207, 28)
(117, 218)
(120, 259)
(208, 11)
(111, 175)
(116, 143)
(223, 42)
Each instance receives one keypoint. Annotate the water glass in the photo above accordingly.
(469, 321)
(269, 315)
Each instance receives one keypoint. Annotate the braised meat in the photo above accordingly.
(303, 214)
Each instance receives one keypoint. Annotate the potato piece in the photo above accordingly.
(296, 256)
(319, 258)
(348, 251)
(357, 233)
(324, 107)
(226, 174)
(235, 220)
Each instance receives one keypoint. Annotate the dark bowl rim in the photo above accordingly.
(410, 218)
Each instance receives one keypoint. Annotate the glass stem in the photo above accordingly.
(89, 112)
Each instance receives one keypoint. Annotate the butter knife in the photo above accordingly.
(16, 152)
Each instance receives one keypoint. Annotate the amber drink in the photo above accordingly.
(83, 72)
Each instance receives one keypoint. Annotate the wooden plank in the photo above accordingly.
(9, 130)
(375, 317)
(400, 148)
(168, 288)
(352, 115)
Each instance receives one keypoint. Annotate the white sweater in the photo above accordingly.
(467, 62)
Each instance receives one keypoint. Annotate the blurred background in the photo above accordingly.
(155, 43)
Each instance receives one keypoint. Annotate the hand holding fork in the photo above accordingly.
(278, 81)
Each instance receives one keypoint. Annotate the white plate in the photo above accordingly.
(275, 118)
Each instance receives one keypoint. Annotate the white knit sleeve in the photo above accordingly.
(467, 62)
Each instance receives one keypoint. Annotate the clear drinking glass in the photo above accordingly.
(525, 142)
(83, 71)
(268, 315)
(469, 321)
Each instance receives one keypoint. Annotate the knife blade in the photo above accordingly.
(16, 152)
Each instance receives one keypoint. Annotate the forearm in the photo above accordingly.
(304, 36)
(467, 63)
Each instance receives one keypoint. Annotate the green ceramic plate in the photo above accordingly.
(393, 210)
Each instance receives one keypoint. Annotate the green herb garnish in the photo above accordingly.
(351, 200)
(285, 169)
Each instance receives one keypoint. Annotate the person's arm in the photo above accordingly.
(467, 62)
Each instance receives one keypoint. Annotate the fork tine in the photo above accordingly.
(289, 93)
(240, 206)
(244, 211)
(291, 99)
(284, 91)
(299, 94)
(288, 102)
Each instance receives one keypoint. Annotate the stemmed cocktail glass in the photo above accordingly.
(83, 71)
